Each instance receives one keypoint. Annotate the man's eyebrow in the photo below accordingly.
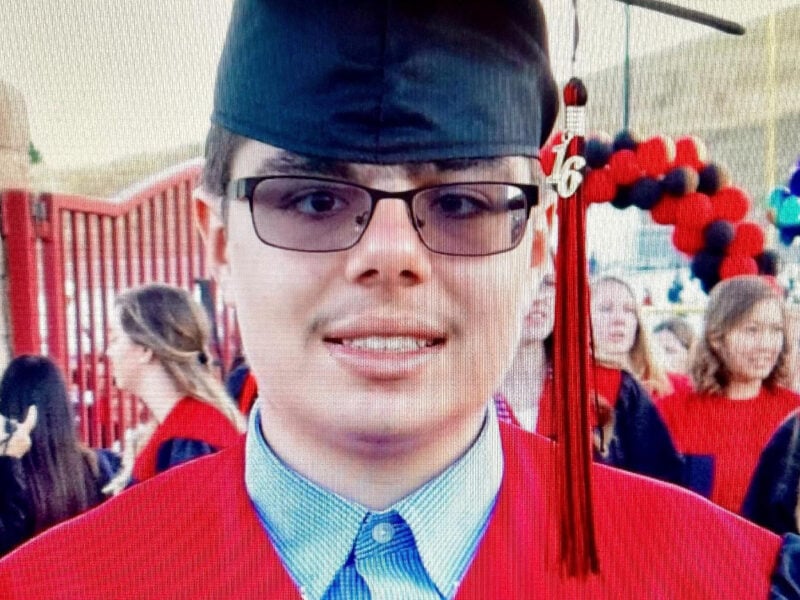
(498, 165)
(289, 163)
(463, 164)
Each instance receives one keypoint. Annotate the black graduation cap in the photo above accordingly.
(383, 81)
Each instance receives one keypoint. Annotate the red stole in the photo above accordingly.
(193, 532)
(189, 419)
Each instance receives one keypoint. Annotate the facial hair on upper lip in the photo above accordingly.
(331, 319)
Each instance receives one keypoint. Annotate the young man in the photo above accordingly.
(370, 197)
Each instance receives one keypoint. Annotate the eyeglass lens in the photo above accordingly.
(318, 215)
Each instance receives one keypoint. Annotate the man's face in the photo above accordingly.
(386, 341)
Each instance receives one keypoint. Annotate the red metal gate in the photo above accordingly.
(68, 256)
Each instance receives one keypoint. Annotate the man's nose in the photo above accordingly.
(390, 251)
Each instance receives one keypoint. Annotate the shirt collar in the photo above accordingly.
(449, 514)
(313, 529)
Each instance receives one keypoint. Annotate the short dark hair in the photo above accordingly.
(221, 144)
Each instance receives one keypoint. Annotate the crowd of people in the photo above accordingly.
(372, 200)
(693, 408)
(158, 347)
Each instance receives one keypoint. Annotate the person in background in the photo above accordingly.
(675, 338)
(371, 197)
(620, 337)
(629, 433)
(158, 350)
(528, 382)
(773, 495)
(739, 369)
(46, 474)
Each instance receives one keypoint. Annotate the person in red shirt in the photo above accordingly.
(157, 346)
(739, 370)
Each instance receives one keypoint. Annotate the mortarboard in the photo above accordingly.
(388, 82)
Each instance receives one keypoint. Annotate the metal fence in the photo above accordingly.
(68, 256)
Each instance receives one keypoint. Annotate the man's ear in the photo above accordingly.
(212, 231)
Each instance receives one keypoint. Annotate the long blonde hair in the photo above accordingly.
(166, 320)
(729, 303)
(641, 361)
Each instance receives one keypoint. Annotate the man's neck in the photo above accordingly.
(373, 475)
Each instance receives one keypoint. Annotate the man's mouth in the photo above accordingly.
(385, 355)
(392, 343)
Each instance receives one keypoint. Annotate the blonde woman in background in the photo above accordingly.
(620, 337)
(158, 350)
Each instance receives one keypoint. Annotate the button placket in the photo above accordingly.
(383, 532)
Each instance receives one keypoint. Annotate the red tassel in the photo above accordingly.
(571, 358)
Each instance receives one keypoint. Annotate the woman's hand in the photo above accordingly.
(16, 437)
(135, 441)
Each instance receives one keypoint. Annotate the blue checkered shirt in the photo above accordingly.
(335, 549)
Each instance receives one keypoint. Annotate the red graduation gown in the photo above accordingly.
(192, 420)
(193, 533)
(728, 435)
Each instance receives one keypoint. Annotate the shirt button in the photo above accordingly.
(383, 533)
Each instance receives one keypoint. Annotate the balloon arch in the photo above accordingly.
(679, 186)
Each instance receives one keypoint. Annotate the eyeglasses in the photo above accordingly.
(324, 215)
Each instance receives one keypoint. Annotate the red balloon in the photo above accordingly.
(690, 152)
(747, 241)
(694, 210)
(655, 155)
(730, 204)
(664, 211)
(688, 240)
(599, 186)
(624, 168)
(737, 265)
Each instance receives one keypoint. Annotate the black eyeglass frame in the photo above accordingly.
(243, 189)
